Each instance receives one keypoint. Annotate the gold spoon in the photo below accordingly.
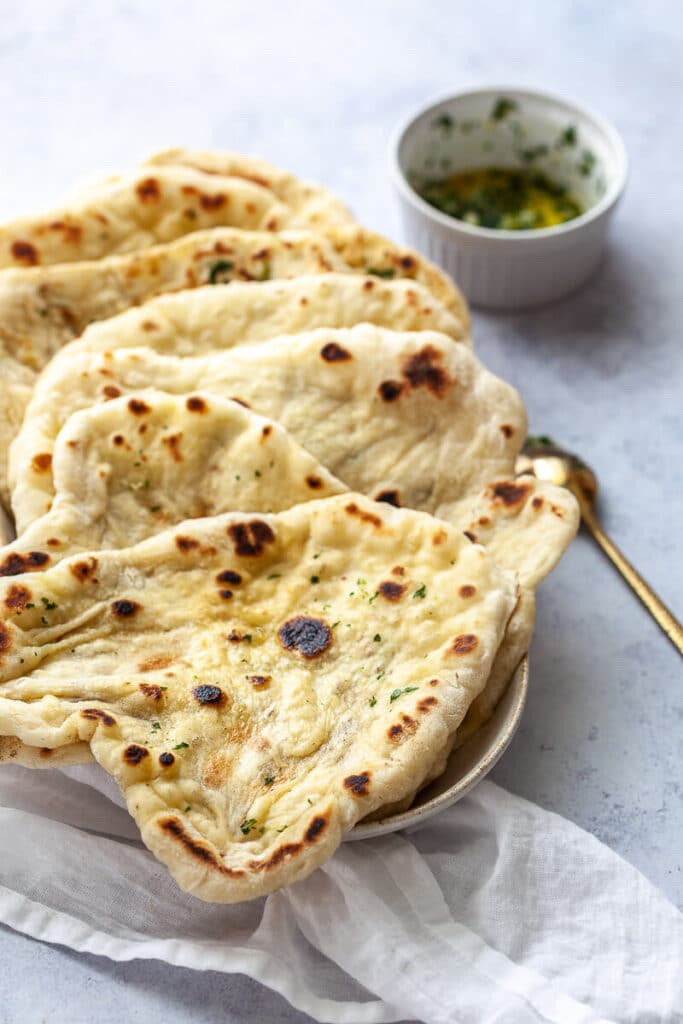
(541, 457)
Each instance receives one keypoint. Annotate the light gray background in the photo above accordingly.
(318, 88)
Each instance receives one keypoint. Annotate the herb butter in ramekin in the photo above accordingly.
(510, 190)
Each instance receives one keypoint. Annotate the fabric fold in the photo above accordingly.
(495, 911)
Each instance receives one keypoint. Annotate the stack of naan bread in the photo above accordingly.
(272, 561)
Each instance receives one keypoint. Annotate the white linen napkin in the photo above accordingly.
(494, 912)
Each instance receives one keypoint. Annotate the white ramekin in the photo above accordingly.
(511, 269)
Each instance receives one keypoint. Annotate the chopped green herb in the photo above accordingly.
(156, 726)
(49, 605)
(247, 826)
(191, 214)
(443, 121)
(180, 746)
(218, 268)
(257, 472)
(282, 829)
(587, 163)
(421, 591)
(533, 152)
(568, 136)
(247, 637)
(30, 605)
(377, 638)
(265, 272)
(274, 576)
(395, 694)
(155, 508)
(374, 597)
(315, 579)
(372, 702)
(269, 780)
(381, 674)
(382, 271)
(361, 582)
(187, 808)
(335, 624)
(502, 107)
(44, 620)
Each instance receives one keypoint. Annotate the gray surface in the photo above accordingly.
(319, 91)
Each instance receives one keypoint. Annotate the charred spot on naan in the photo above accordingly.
(464, 644)
(25, 253)
(186, 544)
(84, 569)
(229, 576)
(507, 493)
(125, 609)
(310, 637)
(41, 463)
(15, 564)
(391, 591)
(424, 369)
(5, 639)
(259, 682)
(195, 403)
(390, 390)
(389, 497)
(365, 517)
(148, 190)
(138, 407)
(153, 664)
(250, 539)
(172, 442)
(134, 754)
(17, 598)
(174, 828)
(96, 714)
(209, 694)
(358, 785)
(333, 352)
(150, 690)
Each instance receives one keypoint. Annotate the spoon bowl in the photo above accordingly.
(545, 460)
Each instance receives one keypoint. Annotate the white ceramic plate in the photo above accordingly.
(466, 766)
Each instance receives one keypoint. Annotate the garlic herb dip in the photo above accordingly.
(510, 199)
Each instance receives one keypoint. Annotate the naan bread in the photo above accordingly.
(199, 321)
(409, 418)
(43, 308)
(312, 204)
(248, 733)
(367, 252)
(138, 210)
(198, 455)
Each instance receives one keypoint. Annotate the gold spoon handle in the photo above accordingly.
(657, 609)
